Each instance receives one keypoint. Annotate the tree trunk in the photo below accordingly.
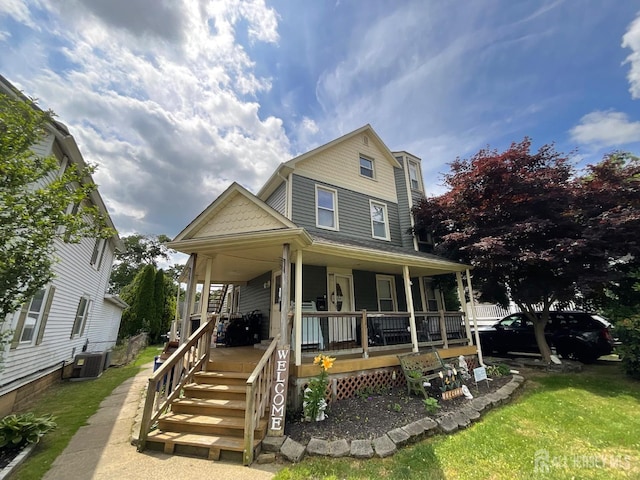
(541, 340)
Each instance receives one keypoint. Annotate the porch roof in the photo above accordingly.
(238, 258)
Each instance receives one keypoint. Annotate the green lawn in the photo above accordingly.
(72, 404)
(577, 426)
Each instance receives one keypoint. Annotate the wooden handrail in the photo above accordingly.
(166, 383)
(258, 391)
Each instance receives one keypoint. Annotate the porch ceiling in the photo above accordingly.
(240, 258)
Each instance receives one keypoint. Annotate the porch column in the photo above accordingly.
(284, 296)
(189, 299)
(173, 334)
(204, 297)
(463, 306)
(475, 319)
(412, 313)
(297, 319)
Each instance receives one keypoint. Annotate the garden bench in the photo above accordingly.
(419, 368)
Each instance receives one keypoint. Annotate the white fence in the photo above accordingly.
(488, 313)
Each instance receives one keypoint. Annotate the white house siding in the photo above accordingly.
(74, 278)
(339, 165)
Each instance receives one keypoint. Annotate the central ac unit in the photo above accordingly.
(88, 365)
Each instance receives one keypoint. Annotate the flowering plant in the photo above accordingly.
(314, 395)
(450, 381)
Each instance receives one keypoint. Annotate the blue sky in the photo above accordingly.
(174, 100)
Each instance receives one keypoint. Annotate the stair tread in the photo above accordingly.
(212, 402)
(212, 420)
(224, 375)
(218, 388)
(199, 440)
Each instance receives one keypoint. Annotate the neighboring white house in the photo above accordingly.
(73, 313)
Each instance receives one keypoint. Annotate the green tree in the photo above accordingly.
(140, 296)
(159, 324)
(35, 203)
(139, 250)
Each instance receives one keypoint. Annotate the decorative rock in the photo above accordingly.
(339, 448)
(494, 399)
(414, 429)
(448, 424)
(461, 418)
(429, 425)
(471, 413)
(317, 446)
(266, 458)
(398, 436)
(480, 404)
(517, 378)
(273, 444)
(383, 446)
(361, 449)
(502, 396)
(509, 388)
(292, 450)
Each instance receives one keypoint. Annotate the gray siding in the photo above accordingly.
(278, 199)
(253, 296)
(354, 217)
(404, 211)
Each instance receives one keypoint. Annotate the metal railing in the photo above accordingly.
(258, 391)
(344, 331)
(175, 372)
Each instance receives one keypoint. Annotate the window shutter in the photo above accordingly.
(21, 319)
(86, 315)
(45, 314)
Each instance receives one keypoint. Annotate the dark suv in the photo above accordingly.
(575, 335)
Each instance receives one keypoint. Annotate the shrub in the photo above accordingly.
(17, 431)
(628, 332)
(499, 370)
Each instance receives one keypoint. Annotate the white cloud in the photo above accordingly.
(162, 102)
(607, 129)
(631, 39)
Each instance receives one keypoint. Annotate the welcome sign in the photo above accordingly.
(279, 393)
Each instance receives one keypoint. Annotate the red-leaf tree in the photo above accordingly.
(517, 217)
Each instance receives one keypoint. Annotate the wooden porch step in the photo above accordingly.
(222, 378)
(221, 392)
(231, 366)
(208, 425)
(213, 443)
(209, 406)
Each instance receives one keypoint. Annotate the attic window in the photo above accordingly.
(365, 140)
(366, 167)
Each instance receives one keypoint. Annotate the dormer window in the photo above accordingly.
(366, 167)
(414, 176)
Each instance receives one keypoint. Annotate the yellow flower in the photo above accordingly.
(327, 362)
(317, 360)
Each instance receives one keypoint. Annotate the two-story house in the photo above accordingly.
(73, 313)
(324, 251)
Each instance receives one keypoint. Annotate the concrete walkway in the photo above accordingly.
(102, 449)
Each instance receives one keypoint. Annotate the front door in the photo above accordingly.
(341, 329)
(276, 298)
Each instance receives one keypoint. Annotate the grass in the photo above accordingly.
(72, 404)
(578, 425)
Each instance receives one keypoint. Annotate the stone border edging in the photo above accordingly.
(388, 443)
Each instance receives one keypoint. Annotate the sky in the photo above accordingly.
(175, 100)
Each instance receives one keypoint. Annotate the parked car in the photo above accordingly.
(575, 335)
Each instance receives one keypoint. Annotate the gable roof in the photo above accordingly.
(235, 211)
(287, 167)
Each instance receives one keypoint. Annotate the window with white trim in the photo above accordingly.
(326, 208)
(379, 220)
(367, 167)
(386, 289)
(81, 316)
(33, 318)
(414, 176)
